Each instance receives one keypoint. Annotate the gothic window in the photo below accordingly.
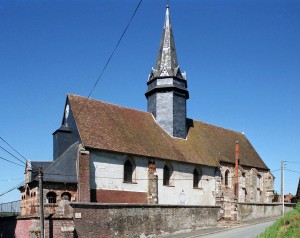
(51, 197)
(227, 178)
(128, 171)
(27, 191)
(167, 175)
(258, 181)
(66, 196)
(243, 180)
(196, 178)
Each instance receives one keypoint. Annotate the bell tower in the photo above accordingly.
(167, 87)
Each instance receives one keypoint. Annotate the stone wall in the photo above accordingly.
(251, 211)
(119, 220)
(255, 186)
(128, 220)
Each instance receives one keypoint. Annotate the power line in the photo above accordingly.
(293, 162)
(293, 171)
(12, 155)
(10, 190)
(8, 180)
(11, 161)
(141, 179)
(13, 148)
(275, 170)
(114, 50)
(16, 152)
(108, 61)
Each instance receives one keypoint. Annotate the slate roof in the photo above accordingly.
(35, 165)
(113, 128)
(63, 169)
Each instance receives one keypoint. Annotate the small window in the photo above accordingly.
(226, 178)
(166, 176)
(128, 171)
(196, 178)
(27, 191)
(258, 181)
(51, 197)
(66, 196)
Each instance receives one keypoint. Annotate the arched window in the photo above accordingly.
(258, 181)
(226, 178)
(27, 191)
(51, 197)
(196, 178)
(167, 175)
(128, 171)
(66, 196)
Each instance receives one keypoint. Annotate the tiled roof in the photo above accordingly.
(113, 128)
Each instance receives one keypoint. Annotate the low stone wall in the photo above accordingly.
(129, 220)
(124, 220)
(251, 211)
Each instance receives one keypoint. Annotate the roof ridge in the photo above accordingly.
(109, 103)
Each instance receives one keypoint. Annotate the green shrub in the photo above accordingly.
(285, 227)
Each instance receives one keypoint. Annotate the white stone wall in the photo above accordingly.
(107, 173)
(181, 190)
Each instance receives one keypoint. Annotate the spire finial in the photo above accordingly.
(167, 3)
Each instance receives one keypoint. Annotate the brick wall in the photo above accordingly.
(100, 220)
(116, 196)
(84, 177)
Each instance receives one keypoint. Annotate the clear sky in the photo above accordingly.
(242, 59)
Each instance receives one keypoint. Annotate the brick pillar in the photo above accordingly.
(84, 187)
(152, 184)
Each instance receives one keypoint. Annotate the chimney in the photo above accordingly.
(237, 155)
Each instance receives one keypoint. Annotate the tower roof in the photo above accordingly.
(167, 63)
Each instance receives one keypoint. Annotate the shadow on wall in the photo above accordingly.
(8, 226)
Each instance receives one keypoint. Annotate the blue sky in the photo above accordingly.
(242, 60)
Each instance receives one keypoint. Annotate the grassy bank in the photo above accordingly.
(285, 227)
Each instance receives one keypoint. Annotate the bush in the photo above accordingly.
(285, 227)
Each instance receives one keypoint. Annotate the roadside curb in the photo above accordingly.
(219, 228)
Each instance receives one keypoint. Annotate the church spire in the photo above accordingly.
(167, 87)
(167, 63)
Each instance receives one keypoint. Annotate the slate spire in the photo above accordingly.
(167, 87)
(167, 63)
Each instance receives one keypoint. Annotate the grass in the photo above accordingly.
(285, 227)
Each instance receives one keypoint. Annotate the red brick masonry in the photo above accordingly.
(114, 196)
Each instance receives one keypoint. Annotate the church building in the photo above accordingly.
(106, 153)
